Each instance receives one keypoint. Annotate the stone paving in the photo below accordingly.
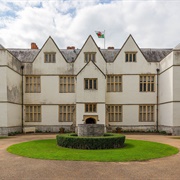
(17, 167)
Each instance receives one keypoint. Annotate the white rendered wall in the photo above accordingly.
(131, 93)
(49, 117)
(49, 93)
(166, 114)
(130, 117)
(176, 89)
(14, 115)
(3, 84)
(82, 95)
(3, 116)
(176, 114)
(166, 86)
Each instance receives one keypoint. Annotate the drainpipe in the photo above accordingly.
(157, 102)
(22, 68)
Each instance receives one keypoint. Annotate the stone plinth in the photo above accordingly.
(90, 129)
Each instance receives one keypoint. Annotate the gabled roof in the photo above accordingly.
(109, 55)
(151, 55)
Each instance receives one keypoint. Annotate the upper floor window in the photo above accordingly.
(32, 84)
(90, 84)
(89, 56)
(66, 84)
(146, 83)
(114, 83)
(49, 57)
(146, 113)
(130, 56)
(90, 107)
(33, 113)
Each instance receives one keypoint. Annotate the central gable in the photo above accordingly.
(90, 51)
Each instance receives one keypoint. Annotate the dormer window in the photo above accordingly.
(89, 56)
(130, 56)
(49, 57)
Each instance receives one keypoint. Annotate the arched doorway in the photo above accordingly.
(90, 121)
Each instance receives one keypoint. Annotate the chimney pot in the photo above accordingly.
(34, 46)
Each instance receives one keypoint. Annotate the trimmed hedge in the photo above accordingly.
(108, 141)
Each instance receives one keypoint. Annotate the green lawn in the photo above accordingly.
(134, 150)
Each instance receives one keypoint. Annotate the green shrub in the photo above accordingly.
(108, 141)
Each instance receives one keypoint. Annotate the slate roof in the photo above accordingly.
(70, 54)
(24, 55)
(151, 55)
(155, 55)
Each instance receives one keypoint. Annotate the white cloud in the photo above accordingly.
(152, 23)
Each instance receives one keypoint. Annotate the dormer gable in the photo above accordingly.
(130, 51)
(49, 52)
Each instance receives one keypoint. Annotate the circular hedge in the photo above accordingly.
(108, 141)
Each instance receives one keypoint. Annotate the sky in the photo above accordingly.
(152, 23)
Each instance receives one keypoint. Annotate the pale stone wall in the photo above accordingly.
(10, 93)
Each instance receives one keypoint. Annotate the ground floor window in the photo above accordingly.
(33, 113)
(66, 113)
(146, 113)
(114, 113)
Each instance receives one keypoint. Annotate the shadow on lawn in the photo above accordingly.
(128, 146)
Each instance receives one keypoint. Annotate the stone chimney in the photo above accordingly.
(71, 47)
(34, 46)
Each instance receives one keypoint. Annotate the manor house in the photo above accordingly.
(133, 88)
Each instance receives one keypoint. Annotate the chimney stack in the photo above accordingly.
(71, 47)
(110, 47)
(34, 46)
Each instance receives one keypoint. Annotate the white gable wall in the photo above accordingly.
(90, 96)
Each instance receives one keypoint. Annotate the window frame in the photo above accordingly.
(146, 113)
(68, 86)
(89, 56)
(51, 56)
(111, 83)
(66, 114)
(32, 85)
(115, 114)
(35, 115)
(90, 107)
(89, 83)
(146, 86)
(130, 56)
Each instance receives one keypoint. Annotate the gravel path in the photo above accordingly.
(17, 167)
